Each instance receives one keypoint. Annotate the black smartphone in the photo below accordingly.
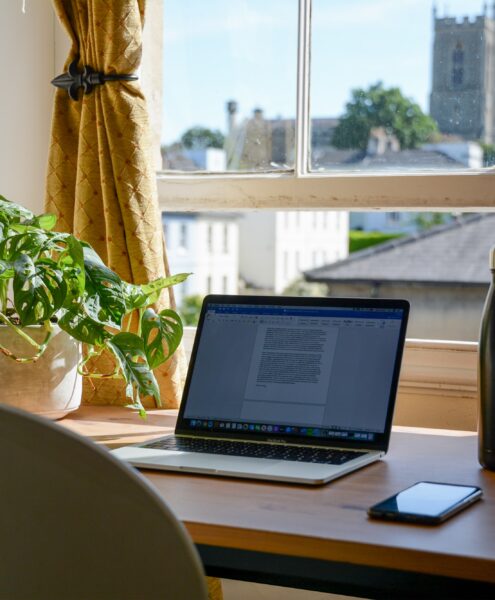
(426, 502)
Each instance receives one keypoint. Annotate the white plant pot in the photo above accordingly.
(51, 386)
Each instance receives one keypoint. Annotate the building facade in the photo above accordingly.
(463, 76)
(206, 245)
(276, 247)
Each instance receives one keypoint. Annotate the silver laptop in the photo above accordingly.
(285, 389)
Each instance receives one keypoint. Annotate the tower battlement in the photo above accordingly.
(453, 23)
(463, 75)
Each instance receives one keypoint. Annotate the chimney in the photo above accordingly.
(232, 107)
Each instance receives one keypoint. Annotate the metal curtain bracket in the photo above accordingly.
(85, 79)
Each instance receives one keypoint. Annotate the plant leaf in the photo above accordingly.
(6, 270)
(46, 221)
(158, 330)
(30, 243)
(71, 261)
(10, 212)
(140, 296)
(39, 289)
(83, 328)
(104, 298)
(129, 351)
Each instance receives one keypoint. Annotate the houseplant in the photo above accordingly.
(51, 280)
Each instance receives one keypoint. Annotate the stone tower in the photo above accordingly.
(463, 88)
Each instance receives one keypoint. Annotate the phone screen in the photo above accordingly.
(426, 499)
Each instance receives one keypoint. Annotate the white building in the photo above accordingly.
(206, 245)
(276, 247)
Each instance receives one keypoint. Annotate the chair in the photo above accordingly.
(75, 523)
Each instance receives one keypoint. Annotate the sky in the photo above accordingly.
(246, 50)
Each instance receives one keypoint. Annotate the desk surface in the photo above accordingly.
(327, 523)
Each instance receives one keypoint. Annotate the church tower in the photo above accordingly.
(462, 99)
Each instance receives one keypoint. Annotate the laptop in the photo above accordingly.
(287, 389)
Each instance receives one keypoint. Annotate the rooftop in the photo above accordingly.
(456, 253)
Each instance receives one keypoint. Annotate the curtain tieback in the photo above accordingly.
(85, 79)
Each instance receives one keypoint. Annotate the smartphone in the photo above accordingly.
(426, 502)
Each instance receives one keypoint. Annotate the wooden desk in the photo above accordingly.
(320, 538)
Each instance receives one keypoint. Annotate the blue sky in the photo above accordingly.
(218, 50)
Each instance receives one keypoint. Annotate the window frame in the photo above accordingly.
(301, 189)
(430, 371)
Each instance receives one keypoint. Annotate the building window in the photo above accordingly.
(225, 238)
(210, 238)
(458, 65)
(183, 235)
(286, 264)
(208, 285)
(225, 284)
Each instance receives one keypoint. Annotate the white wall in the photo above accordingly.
(27, 64)
(216, 265)
(257, 249)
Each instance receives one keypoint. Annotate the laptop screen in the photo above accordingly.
(310, 371)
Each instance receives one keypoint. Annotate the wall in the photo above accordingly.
(27, 65)
(437, 312)
(257, 249)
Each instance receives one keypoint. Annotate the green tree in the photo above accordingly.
(488, 154)
(387, 108)
(427, 220)
(190, 309)
(202, 137)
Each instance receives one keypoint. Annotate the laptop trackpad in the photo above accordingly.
(194, 460)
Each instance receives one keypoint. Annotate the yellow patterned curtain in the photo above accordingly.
(101, 183)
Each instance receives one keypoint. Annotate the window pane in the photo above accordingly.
(437, 261)
(229, 85)
(397, 86)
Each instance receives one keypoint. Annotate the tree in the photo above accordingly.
(488, 154)
(190, 309)
(427, 220)
(387, 108)
(202, 137)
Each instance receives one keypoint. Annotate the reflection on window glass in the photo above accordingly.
(437, 261)
(229, 85)
(398, 86)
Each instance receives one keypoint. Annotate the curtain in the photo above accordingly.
(101, 182)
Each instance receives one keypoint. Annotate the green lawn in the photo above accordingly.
(358, 240)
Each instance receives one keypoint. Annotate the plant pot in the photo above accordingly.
(51, 386)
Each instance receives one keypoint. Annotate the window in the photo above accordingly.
(316, 54)
(458, 65)
(183, 235)
(225, 238)
(210, 237)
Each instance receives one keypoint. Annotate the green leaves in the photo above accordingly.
(104, 293)
(160, 330)
(12, 213)
(128, 348)
(39, 289)
(83, 328)
(141, 296)
(53, 276)
(382, 107)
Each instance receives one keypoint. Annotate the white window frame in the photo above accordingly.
(430, 367)
(301, 189)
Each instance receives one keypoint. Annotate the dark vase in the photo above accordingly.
(486, 377)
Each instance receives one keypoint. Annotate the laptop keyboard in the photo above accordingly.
(327, 456)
